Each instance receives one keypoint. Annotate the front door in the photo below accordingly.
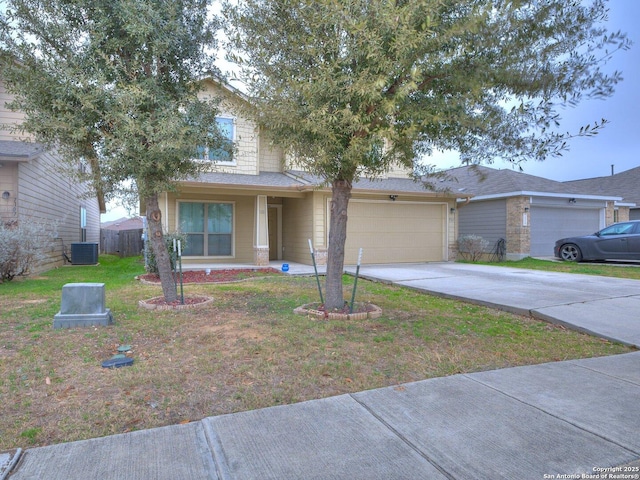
(272, 213)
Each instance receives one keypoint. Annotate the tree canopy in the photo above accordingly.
(115, 83)
(348, 87)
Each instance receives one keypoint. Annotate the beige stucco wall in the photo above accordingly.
(297, 228)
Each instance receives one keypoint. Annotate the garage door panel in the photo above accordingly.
(394, 232)
(549, 224)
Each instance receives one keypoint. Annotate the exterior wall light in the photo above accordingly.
(393, 197)
(572, 201)
(5, 195)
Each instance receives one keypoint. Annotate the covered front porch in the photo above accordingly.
(266, 221)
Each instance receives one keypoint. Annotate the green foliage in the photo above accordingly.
(115, 83)
(151, 265)
(352, 86)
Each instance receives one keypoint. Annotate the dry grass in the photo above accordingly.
(246, 350)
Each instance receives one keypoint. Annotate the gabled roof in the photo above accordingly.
(123, 223)
(386, 185)
(624, 184)
(303, 181)
(484, 182)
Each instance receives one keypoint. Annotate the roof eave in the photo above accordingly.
(244, 187)
(546, 194)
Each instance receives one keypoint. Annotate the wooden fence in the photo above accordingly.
(126, 243)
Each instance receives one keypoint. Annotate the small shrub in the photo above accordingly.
(22, 246)
(151, 265)
(472, 247)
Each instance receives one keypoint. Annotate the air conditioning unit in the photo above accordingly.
(84, 253)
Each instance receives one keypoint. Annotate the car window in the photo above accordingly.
(618, 229)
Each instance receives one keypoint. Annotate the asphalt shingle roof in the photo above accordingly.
(124, 223)
(19, 150)
(624, 184)
(480, 181)
(264, 179)
(383, 184)
(297, 179)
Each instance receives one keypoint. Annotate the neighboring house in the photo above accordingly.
(122, 236)
(33, 187)
(625, 184)
(252, 209)
(529, 212)
(124, 223)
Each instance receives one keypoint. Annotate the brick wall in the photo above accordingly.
(518, 234)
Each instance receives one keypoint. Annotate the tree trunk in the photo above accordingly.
(156, 240)
(340, 195)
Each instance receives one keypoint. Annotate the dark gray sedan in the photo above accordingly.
(620, 241)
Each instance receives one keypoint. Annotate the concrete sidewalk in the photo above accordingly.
(556, 420)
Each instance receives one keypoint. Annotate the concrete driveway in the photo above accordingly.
(603, 306)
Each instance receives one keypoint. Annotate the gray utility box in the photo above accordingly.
(83, 305)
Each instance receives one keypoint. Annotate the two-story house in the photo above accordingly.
(34, 188)
(253, 209)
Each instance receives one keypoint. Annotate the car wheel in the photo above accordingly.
(570, 253)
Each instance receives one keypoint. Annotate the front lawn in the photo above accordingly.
(245, 350)
(629, 270)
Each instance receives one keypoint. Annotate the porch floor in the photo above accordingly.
(294, 268)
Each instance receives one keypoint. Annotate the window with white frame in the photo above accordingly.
(226, 126)
(83, 224)
(208, 227)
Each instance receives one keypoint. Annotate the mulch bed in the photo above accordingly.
(199, 276)
(175, 303)
(159, 303)
(216, 276)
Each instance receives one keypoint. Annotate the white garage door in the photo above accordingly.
(395, 232)
(549, 224)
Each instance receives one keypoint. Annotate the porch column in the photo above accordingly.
(261, 240)
(518, 228)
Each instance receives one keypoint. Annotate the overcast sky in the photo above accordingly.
(618, 144)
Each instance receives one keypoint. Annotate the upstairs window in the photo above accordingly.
(226, 126)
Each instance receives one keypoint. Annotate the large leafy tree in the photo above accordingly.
(350, 86)
(114, 83)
